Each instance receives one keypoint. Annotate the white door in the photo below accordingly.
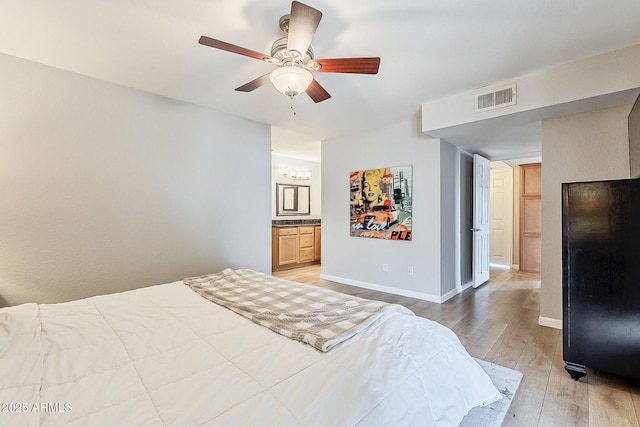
(481, 225)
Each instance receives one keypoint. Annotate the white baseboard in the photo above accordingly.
(388, 289)
(452, 293)
(501, 266)
(515, 266)
(549, 322)
(463, 288)
(542, 321)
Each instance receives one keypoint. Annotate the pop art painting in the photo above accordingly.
(380, 203)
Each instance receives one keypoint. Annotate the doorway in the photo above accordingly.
(516, 215)
(502, 212)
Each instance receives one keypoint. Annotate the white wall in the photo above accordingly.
(449, 242)
(106, 188)
(278, 163)
(583, 147)
(359, 261)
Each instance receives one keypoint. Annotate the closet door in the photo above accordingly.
(530, 217)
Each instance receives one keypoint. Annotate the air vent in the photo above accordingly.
(502, 97)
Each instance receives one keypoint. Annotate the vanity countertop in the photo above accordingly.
(294, 222)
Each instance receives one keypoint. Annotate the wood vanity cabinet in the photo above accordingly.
(317, 242)
(305, 244)
(294, 246)
(287, 246)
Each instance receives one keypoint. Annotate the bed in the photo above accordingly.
(168, 355)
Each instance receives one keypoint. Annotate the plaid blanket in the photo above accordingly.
(317, 316)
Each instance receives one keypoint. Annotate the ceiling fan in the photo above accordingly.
(294, 58)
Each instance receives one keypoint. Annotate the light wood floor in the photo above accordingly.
(498, 322)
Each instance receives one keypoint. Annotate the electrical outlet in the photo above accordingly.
(385, 268)
(410, 271)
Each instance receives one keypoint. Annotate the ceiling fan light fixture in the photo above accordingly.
(291, 80)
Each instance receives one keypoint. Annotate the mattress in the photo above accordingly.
(165, 356)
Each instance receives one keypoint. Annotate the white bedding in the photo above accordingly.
(164, 356)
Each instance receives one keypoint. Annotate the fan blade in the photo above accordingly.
(254, 84)
(303, 23)
(349, 65)
(317, 92)
(208, 41)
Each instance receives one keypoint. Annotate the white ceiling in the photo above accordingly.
(429, 49)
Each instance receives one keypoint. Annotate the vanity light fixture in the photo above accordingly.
(293, 174)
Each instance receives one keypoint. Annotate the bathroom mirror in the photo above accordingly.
(292, 199)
